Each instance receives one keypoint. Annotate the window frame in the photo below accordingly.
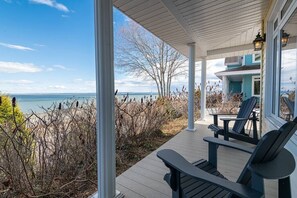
(272, 33)
(254, 58)
(255, 79)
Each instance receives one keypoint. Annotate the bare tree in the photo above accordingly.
(142, 54)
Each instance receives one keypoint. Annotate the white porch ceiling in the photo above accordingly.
(220, 28)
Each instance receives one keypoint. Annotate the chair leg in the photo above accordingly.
(284, 187)
(212, 153)
(226, 130)
(215, 120)
(255, 131)
(257, 183)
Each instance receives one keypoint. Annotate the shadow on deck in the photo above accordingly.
(145, 178)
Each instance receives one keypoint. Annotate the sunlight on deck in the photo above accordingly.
(145, 178)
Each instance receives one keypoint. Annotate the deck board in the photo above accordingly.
(145, 178)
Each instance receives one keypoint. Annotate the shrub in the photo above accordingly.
(58, 159)
(10, 113)
(178, 103)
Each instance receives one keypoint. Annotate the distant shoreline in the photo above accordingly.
(69, 93)
(34, 102)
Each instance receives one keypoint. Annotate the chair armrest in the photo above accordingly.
(228, 144)
(226, 125)
(177, 163)
(280, 167)
(233, 119)
(223, 114)
(215, 117)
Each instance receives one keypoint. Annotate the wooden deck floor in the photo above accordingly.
(145, 179)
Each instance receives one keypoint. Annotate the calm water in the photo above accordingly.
(34, 102)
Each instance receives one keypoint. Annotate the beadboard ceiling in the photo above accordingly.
(220, 28)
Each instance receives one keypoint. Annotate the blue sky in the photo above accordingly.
(47, 46)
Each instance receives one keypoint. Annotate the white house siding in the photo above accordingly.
(267, 122)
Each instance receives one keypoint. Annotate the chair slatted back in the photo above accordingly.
(268, 148)
(290, 104)
(245, 111)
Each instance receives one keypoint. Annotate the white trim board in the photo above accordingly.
(233, 73)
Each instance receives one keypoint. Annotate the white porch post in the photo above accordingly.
(203, 88)
(105, 98)
(225, 88)
(191, 87)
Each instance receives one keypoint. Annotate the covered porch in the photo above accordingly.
(145, 179)
(201, 30)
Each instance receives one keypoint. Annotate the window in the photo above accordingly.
(256, 86)
(284, 70)
(274, 74)
(275, 24)
(288, 71)
(285, 8)
(256, 58)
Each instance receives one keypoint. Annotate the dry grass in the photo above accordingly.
(175, 126)
(53, 154)
(144, 146)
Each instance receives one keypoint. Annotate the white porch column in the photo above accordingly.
(105, 98)
(191, 87)
(225, 88)
(203, 88)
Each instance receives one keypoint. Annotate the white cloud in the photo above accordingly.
(18, 81)
(49, 69)
(78, 80)
(8, 1)
(127, 19)
(90, 83)
(56, 67)
(16, 67)
(51, 3)
(39, 45)
(57, 87)
(60, 67)
(17, 47)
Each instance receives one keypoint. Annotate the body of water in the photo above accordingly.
(35, 102)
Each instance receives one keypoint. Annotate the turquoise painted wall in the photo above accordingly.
(232, 66)
(234, 87)
(247, 86)
(249, 60)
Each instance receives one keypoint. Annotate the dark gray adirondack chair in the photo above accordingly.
(238, 132)
(290, 104)
(269, 160)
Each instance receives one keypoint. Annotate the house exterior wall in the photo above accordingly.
(234, 87)
(268, 123)
(248, 59)
(247, 86)
(232, 66)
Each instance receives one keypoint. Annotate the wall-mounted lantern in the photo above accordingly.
(259, 41)
(285, 38)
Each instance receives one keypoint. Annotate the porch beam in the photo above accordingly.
(203, 88)
(230, 49)
(191, 87)
(105, 98)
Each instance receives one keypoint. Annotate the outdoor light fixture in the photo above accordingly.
(285, 38)
(258, 42)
